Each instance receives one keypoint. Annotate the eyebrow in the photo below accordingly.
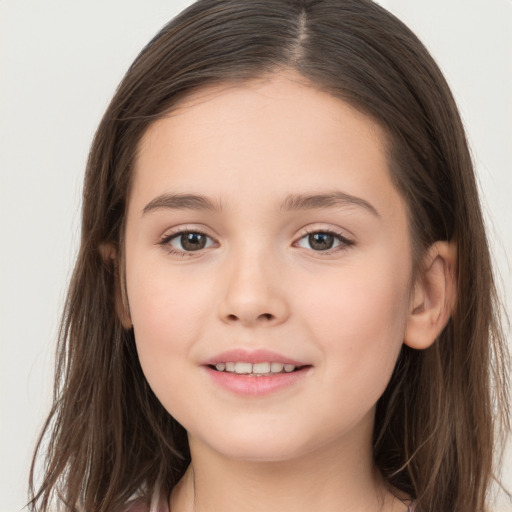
(325, 200)
(291, 202)
(181, 202)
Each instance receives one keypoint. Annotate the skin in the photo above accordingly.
(259, 284)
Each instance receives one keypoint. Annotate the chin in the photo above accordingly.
(257, 445)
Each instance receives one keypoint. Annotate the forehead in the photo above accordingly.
(286, 94)
(279, 129)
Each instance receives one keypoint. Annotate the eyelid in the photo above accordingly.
(339, 234)
(171, 234)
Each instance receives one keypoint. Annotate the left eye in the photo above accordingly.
(322, 241)
(189, 241)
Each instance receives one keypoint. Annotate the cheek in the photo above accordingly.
(359, 323)
(162, 296)
(166, 314)
(167, 322)
(364, 295)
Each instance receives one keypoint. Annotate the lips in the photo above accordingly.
(255, 373)
(253, 357)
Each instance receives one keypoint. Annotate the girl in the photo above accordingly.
(283, 298)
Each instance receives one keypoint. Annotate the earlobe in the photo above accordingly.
(110, 257)
(433, 297)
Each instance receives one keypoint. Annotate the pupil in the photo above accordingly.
(193, 241)
(321, 241)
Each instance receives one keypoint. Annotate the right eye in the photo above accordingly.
(187, 241)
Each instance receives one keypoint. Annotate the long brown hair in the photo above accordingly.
(438, 424)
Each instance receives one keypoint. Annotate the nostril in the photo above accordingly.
(250, 317)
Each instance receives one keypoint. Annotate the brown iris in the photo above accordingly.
(193, 241)
(321, 241)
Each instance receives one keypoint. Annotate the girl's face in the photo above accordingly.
(264, 235)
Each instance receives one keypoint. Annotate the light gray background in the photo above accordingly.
(60, 62)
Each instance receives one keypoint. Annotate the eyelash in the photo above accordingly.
(344, 242)
(167, 239)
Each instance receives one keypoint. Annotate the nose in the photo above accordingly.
(254, 294)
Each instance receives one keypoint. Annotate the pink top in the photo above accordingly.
(138, 505)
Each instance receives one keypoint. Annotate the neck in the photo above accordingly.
(332, 478)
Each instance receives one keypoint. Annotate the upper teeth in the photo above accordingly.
(256, 368)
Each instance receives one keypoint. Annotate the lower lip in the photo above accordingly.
(251, 385)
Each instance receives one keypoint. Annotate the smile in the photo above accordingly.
(256, 369)
(255, 372)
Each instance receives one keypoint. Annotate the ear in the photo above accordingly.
(110, 257)
(433, 297)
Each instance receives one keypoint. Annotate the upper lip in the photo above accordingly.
(251, 356)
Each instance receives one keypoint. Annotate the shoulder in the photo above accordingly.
(138, 505)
